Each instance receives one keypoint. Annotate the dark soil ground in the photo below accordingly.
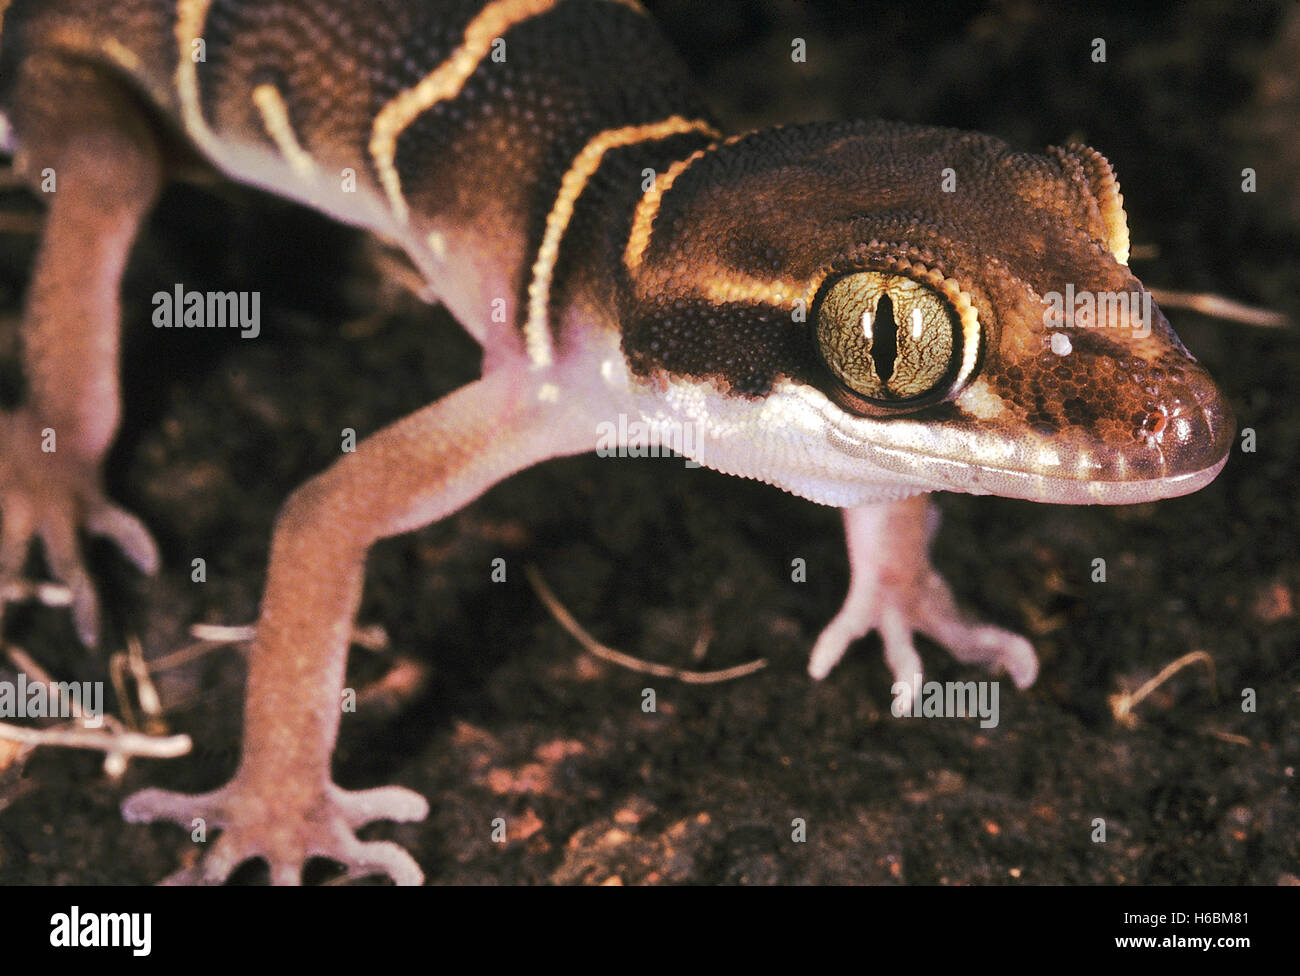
(494, 711)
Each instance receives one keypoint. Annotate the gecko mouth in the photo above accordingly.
(1175, 450)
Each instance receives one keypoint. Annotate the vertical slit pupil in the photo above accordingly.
(884, 339)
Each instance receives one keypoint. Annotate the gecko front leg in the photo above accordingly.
(85, 144)
(281, 804)
(893, 588)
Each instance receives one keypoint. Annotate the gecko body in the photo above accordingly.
(860, 313)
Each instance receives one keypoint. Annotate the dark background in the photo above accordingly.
(494, 711)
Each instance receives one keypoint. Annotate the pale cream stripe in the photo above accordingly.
(648, 208)
(79, 40)
(191, 15)
(442, 83)
(121, 54)
(445, 82)
(275, 116)
(726, 285)
(537, 335)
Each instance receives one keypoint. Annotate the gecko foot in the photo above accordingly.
(258, 823)
(895, 590)
(47, 493)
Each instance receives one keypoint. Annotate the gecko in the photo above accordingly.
(859, 313)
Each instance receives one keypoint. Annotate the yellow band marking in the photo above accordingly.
(537, 336)
(648, 209)
(444, 82)
(191, 15)
(121, 55)
(80, 41)
(726, 286)
(275, 116)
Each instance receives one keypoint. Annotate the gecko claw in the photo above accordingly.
(899, 593)
(125, 531)
(51, 496)
(286, 838)
(928, 609)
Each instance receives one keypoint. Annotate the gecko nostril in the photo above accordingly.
(1155, 423)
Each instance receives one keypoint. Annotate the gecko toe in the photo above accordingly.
(366, 858)
(64, 557)
(150, 806)
(219, 862)
(285, 873)
(19, 527)
(855, 619)
(360, 807)
(127, 532)
(900, 653)
(999, 650)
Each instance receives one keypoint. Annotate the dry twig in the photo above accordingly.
(1122, 705)
(606, 653)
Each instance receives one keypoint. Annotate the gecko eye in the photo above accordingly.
(889, 339)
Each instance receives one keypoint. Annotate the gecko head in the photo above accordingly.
(924, 309)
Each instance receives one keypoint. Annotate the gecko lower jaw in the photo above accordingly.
(1177, 450)
(1065, 491)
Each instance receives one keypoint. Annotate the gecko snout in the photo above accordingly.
(1193, 425)
(1181, 431)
